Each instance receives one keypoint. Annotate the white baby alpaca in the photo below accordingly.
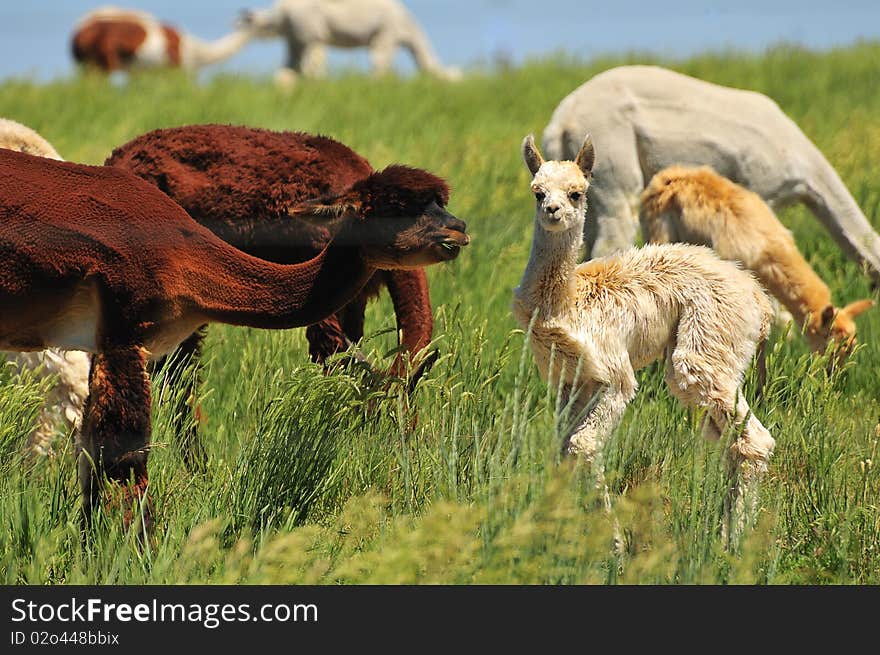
(609, 317)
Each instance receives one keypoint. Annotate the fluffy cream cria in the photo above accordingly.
(593, 325)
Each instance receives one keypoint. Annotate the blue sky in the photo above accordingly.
(34, 34)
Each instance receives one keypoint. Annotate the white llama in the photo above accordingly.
(308, 26)
(603, 320)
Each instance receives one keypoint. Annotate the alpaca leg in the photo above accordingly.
(587, 440)
(314, 61)
(607, 410)
(382, 49)
(326, 338)
(657, 228)
(115, 435)
(588, 437)
(745, 463)
(183, 380)
(611, 224)
(425, 58)
(337, 333)
(287, 76)
(415, 320)
(351, 318)
(680, 388)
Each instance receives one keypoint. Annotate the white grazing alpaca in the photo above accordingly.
(64, 401)
(112, 38)
(308, 26)
(697, 205)
(645, 118)
(603, 320)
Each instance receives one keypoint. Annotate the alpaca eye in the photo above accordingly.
(539, 196)
(575, 196)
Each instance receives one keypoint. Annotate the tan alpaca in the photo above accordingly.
(697, 205)
(64, 401)
(603, 320)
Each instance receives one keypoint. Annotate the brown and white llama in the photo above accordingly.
(238, 182)
(113, 38)
(697, 205)
(592, 326)
(63, 403)
(96, 259)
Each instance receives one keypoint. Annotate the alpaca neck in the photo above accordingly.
(197, 53)
(831, 202)
(793, 282)
(244, 290)
(548, 281)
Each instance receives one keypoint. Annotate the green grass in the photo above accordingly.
(322, 479)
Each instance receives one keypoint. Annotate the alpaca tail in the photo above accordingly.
(661, 194)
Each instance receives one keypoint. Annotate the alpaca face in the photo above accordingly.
(560, 196)
(262, 23)
(398, 242)
(560, 187)
(396, 218)
(837, 326)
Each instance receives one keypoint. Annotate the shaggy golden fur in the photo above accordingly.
(697, 205)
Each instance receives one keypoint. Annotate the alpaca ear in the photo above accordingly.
(858, 307)
(531, 156)
(586, 157)
(325, 211)
(827, 315)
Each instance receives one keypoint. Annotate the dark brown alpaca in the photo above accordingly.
(239, 181)
(96, 259)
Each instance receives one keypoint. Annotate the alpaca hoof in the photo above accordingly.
(423, 367)
(452, 75)
(135, 506)
(285, 79)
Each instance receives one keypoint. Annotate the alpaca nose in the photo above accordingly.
(552, 209)
(456, 224)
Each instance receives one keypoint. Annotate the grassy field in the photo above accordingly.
(322, 479)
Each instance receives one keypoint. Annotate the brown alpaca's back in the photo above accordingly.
(114, 249)
(239, 182)
(96, 216)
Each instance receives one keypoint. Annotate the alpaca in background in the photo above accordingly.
(111, 39)
(309, 26)
(696, 205)
(645, 118)
(239, 182)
